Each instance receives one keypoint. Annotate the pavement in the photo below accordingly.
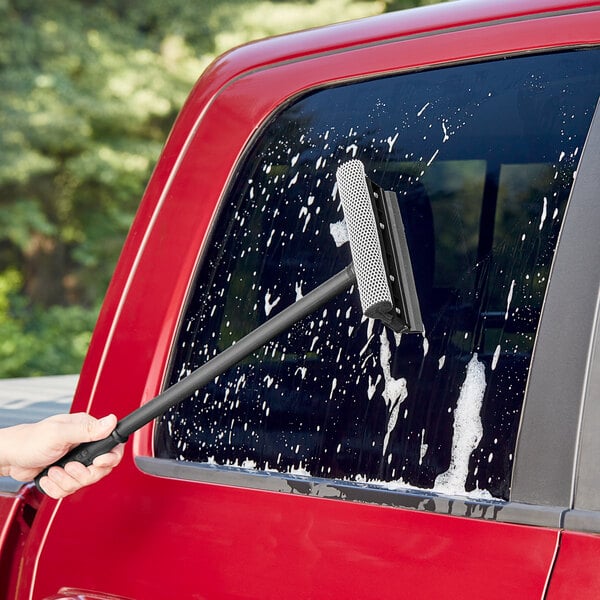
(30, 399)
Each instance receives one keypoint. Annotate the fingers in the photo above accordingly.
(61, 482)
(110, 459)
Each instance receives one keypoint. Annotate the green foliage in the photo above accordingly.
(36, 341)
(392, 5)
(89, 91)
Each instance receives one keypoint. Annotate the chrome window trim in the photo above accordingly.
(413, 499)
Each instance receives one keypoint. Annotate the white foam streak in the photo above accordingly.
(468, 429)
(395, 390)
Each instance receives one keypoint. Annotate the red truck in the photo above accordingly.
(343, 459)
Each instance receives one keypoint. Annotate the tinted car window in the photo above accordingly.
(482, 158)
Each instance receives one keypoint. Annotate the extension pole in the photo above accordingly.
(86, 452)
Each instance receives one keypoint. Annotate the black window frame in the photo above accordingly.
(570, 424)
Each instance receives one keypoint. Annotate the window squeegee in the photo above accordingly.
(380, 267)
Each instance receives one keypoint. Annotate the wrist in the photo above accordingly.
(9, 442)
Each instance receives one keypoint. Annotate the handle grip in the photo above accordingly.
(84, 453)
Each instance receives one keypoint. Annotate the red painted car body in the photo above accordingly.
(143, 535)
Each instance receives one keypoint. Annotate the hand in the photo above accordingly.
(25, 450)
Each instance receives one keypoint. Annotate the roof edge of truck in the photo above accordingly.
(384, 28)
(422, 20)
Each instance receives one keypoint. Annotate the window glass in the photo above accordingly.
(482, 158)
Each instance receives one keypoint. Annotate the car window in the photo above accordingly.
(482, 158)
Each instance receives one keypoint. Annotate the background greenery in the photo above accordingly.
(88, 92)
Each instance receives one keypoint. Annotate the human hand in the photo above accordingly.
(25, 450)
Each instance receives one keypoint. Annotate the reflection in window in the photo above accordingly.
(482, 159)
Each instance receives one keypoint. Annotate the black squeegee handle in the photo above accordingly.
(86, 453)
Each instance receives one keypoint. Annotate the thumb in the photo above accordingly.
(103, 427)
(81, 427)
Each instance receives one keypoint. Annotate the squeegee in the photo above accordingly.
(380, 267)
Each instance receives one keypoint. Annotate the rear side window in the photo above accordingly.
(482, 158)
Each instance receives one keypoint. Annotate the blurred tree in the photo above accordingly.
(391, 5)
(88, 92)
